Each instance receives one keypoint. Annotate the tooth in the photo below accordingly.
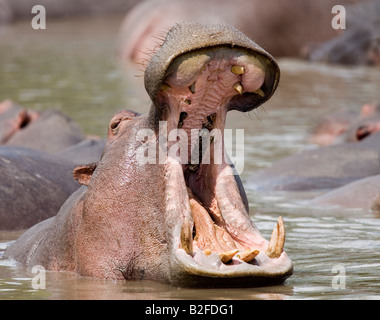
(187, 237)
(272, 242)
(238, 87)
(209, 125)
(228, 255)
(248, 255)
(165, 87)
(207, 252)
(182, 116)
(277, 240)
(211, 117)
(192, 88)
(281, 237)
(237, 69)
(193, 167)
(260, 92)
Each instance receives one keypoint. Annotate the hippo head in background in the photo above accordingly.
(173, 219)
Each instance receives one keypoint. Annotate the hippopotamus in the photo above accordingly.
(11, 10)
(51, 132)
(357, 44)
(362, 129)
(176, 219)
(363, 193)
(326, 167)
(343, 126)
(33, 186)
(285, 28)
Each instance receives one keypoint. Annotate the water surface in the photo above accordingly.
(73, 66)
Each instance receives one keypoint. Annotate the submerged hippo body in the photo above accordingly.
(91, 149)
(33, 186)
(363, 194)
(327, 167)
(86, 151)
(136, 217)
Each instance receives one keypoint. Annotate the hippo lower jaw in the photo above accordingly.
(214, 240)
(223, 250)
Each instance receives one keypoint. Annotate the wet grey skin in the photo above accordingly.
(181, 223)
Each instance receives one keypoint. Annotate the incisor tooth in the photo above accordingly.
(248, 255)
(207, 252)
(228, 255)
(237, 70)
(187, 237)
(238, 87)
(277, 240)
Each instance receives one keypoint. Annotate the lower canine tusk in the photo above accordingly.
(277, 240)
(187, 237)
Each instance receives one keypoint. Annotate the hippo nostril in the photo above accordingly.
(26, 120)
(362, 132)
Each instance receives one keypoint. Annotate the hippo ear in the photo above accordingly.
(83, 173)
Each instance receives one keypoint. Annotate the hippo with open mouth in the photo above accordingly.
(182, 223)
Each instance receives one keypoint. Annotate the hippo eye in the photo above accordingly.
(115, 124)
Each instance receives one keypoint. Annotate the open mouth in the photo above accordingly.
(216, 237)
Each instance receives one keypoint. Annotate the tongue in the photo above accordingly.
(209, 236)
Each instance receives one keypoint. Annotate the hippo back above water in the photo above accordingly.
(326, 167)
(33, 186)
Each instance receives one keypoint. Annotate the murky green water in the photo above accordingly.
(72, 66)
